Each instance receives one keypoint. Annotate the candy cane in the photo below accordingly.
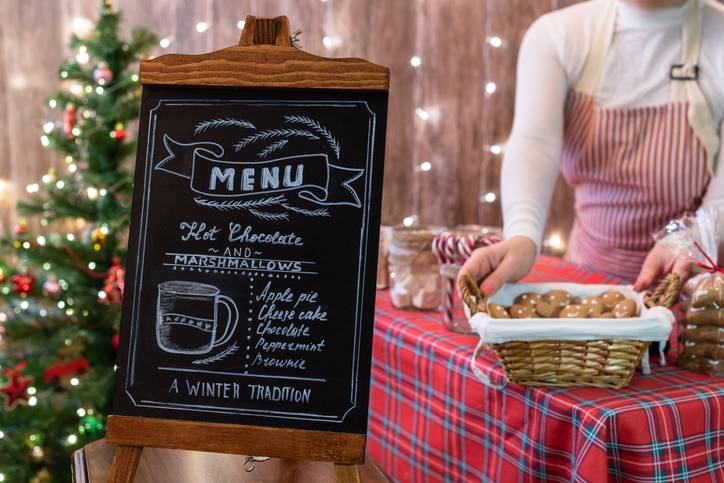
(450, 251)
(466, 245)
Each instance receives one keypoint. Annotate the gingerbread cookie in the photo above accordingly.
(708, 333)
(604, 315)
(497, 311)
(624, 309)
(705, 316)
(702, 364)
(708, 349)
(711, 296)
(559, 298)
(529, 299)
(593, 305)
(574, 311)
(518, 311)
(547, 310)
(610, 299)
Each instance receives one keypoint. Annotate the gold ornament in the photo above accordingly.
(42, 476)
(36, 454)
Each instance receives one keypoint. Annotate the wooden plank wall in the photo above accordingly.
(449, 37)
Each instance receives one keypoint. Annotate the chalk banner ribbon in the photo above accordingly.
(310, 175)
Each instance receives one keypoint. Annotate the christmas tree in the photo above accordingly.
(61, 287)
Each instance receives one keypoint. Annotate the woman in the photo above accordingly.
(626, 99)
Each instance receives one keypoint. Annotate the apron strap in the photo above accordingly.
(598, 50)
(685, 84)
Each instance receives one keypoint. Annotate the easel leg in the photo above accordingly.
(125, 463)
(346, 473)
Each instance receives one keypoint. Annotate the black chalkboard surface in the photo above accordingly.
(251, 276)
(248, 308)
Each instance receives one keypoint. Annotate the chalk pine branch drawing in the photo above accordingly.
(269, 208)
(322, 130)
(203, 126)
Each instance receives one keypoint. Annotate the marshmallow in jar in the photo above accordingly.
(414, 271)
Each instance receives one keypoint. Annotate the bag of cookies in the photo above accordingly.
(701, 333)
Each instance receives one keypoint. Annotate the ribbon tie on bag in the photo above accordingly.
(709, 264)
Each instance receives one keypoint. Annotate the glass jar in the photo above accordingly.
(414, 271)
(466, 239)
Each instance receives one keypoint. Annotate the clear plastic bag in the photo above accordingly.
(695, 238)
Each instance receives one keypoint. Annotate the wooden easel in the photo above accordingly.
(265, 51)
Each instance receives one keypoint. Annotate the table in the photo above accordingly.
(91, 465)
(432, 420)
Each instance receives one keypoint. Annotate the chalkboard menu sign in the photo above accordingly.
(249, 297)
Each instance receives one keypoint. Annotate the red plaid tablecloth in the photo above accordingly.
(432, 420)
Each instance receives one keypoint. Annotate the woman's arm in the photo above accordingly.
(532, 154)
(531, 163)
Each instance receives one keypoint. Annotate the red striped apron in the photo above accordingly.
(633, 169)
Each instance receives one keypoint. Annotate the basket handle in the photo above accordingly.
(471, 294)
(668, 288)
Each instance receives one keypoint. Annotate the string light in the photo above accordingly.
(490, 87)
(489, 197)
(327, 41)
(202, 26)
(167, 41)
(241, 24)
(554, 242)
(494, 41)
(82, 56)
(415, 61)
(422, 114)
(48, 127)
(425, 166)
(408, 221)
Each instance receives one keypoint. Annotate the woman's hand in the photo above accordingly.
(494, 265)
(661, 261)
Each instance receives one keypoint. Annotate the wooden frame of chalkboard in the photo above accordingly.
(248, 307)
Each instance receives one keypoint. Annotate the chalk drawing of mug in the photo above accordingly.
(187, 320)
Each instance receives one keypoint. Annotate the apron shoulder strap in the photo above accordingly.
(598, 51)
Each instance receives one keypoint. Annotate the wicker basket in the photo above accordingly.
(597, 363)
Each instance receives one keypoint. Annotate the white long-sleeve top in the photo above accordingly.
(636, 74)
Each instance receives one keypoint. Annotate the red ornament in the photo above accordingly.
(23, 284)
(63, 368)
(20, 228)
(70, 119)
(113, 288)
(114, 342)
(70, 362)
(102, 74)
(16, 389)
(119, 134)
